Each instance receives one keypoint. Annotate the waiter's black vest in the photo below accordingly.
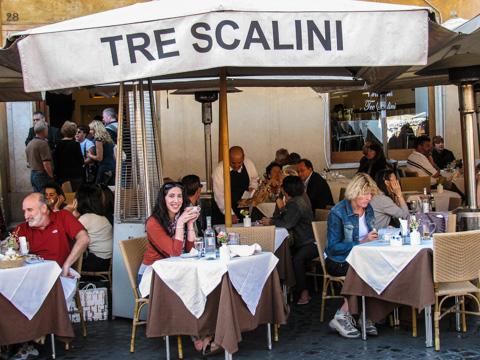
(239, 182)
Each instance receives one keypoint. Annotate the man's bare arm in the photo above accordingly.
(81, 243)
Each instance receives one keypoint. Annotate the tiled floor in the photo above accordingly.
(304, 337)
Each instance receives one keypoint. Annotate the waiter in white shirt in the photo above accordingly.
(243, 177)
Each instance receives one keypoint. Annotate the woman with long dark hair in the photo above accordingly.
(375, 160)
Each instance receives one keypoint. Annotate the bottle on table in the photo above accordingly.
(432, 204)
(209, 236)
(425, 202)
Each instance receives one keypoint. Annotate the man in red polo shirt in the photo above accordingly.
(49, 233)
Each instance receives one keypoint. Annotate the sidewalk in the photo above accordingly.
(304, 337)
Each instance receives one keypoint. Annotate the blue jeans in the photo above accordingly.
(39, 180)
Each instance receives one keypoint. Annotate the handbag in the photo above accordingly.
(95, 303)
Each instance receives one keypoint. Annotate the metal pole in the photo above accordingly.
(383, 117)
(148, 206)
(224, 147)
(118, 170)
(207, 121)
(467, 111)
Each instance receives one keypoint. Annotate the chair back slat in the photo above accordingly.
(321, 214)
(262, 235)
(456, 257)
(320, 233)
(415, 183)
(133, 251)
(451, 225)
(409, 173)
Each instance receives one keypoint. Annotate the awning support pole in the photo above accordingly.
(383, 117)
(225, 147)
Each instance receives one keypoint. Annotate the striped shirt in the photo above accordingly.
(419, 163)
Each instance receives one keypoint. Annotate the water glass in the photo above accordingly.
(428, 228)
(199, 246)
(233, 238)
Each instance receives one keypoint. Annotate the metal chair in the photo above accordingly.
(456, 262)
(78, 302)
(133, 251)
(339, 137)
(415, 183)
(320, 232)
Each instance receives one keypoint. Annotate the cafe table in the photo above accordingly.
(282, 252)
(441, 200)
(386, 277)
(32, 303)
(458, 181)
(336, 186)
(190, 296)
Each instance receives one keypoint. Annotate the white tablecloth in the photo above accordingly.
(441, 200)
(459, 181)
(378, 263)
(280, 233)
(335, 187)
(193, 280)
(27, 286)
(267, 208)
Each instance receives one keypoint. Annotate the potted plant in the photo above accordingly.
(224, 251)
(440, 182)
(414, 234)
(11, 242)
(247, 221)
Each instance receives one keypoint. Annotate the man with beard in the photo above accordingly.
(48, 232)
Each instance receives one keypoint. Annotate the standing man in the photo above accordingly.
(317, 187)
(111, 123)
(243, 177)
(193, 187)
(53, 136)
(39, 158)
(81, 137)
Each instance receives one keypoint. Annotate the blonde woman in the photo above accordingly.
(350, 222)
(68, 159)
(102, 153)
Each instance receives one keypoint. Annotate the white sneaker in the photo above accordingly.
(369, 327)
(26, 351)
(344, 323)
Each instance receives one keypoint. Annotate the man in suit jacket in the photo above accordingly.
(317, 187)
(53, 136)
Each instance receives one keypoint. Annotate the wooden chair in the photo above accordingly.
(67, 187)
(69, 197)
(456, 262)
(133, 251)
(78, 302)
(409, 173)
(454, 203)
(329, 207)
(415, 183)
(262, 235)
(320, 232)
(321, 214)
(341, 196)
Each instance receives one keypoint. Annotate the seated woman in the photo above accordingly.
(170, 233)
(297, 217)
(55, 196)
(280, 201)
(90, 213)
(375, 160)
(384, 207)
(350, 222)
(273, 176)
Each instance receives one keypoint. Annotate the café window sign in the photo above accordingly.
(355, 118)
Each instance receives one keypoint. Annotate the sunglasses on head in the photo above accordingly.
(173, 184)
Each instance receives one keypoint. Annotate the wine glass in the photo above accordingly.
(413, 205)
(199, 246)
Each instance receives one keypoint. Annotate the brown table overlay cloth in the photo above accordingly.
(226, 315)
(285, 265)
(51, 318)
(413, 286)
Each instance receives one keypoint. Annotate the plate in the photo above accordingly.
(188, 255)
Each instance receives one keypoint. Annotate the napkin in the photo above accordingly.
(193, 251)
(245, 250)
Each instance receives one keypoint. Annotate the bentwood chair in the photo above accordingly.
(456, 262)
(320, 215)
(265, 237)
(106, 275)
(320, 232)
(78, 302)
(133, 251)
(415, 183)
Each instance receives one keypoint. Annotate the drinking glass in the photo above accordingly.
(413, 205)
(199, 246)
(428, 228)
(233, 238)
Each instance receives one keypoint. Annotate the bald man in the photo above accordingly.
(48, 232)
(243, 177)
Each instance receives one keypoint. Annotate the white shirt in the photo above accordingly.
(305, 183)
(100, 232)
(362, 228)
(217, 177)
(419, 163)
(85, 145)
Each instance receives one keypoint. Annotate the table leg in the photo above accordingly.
(364, 320)
(428, 327)
(54, 354)
(228, 356)
(396, 317)
(269, 336)
(167, 346)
